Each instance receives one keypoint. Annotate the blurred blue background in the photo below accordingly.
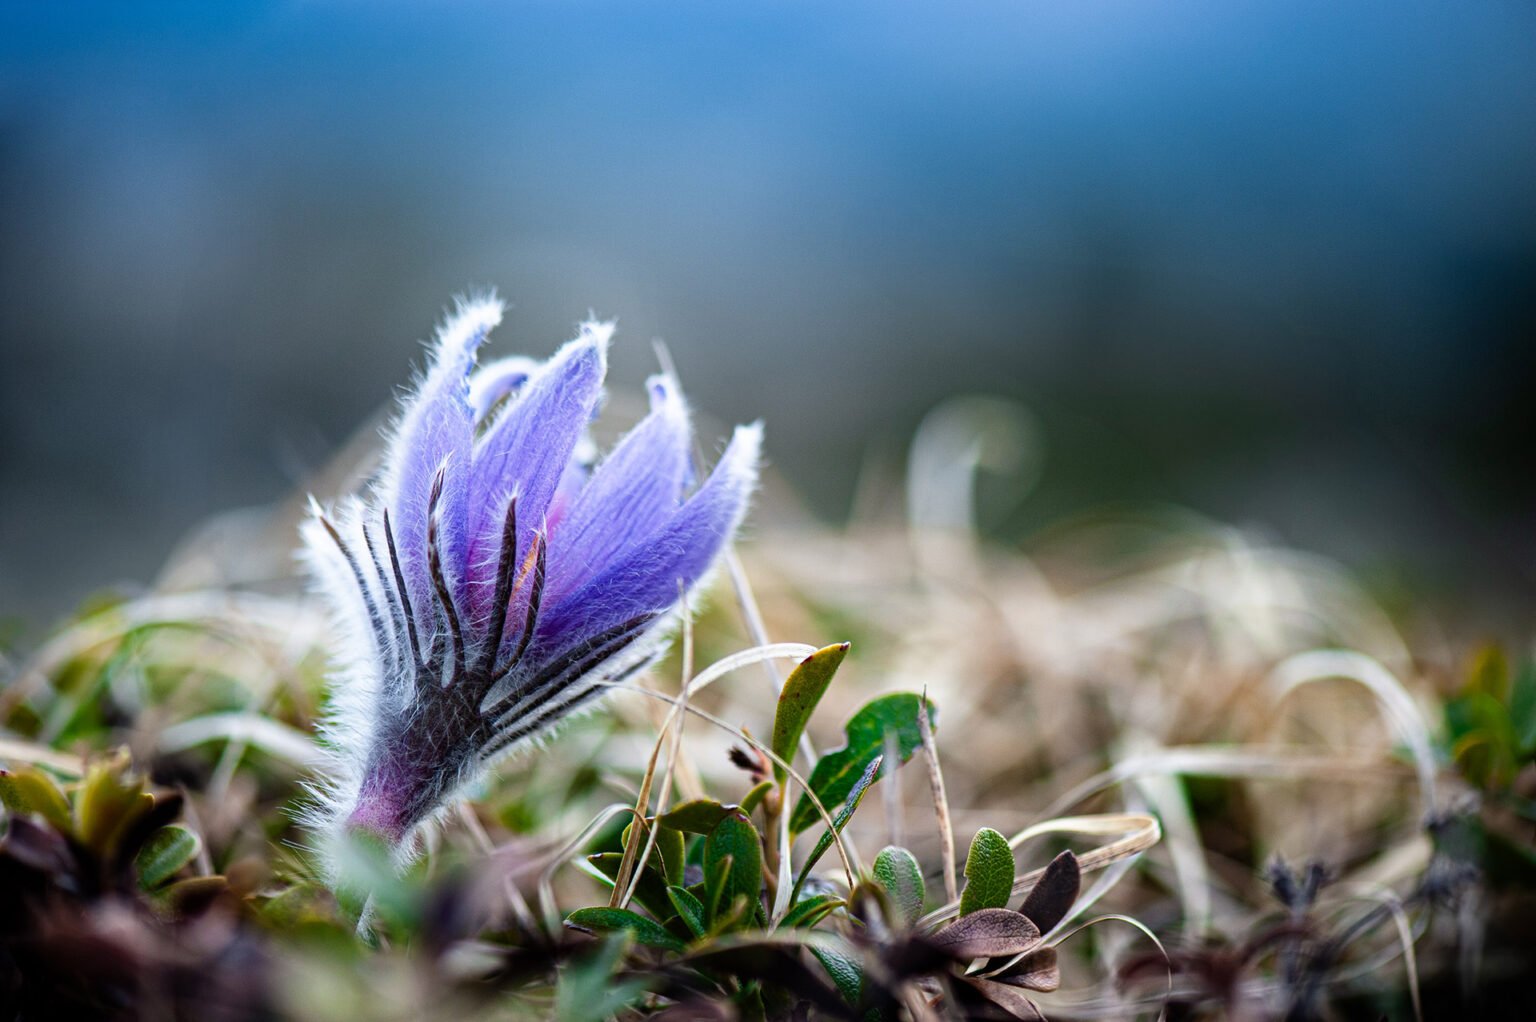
(1270, 260)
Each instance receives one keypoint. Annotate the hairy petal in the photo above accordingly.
(496, 380)
(632, 493)
(645, 578)
(435, 429)
(526, 452)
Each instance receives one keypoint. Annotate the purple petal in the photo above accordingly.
(435, 430)
(571, 484)
(496, 380)
(645, 578)
(636, 488)
(526, 452)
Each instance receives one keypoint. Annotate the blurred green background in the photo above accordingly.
(1273, 261)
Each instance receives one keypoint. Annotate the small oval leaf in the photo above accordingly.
(987, 933)
(811, 911)
(610, 920)
(1052, 898)
(1037, 970)
(802, 691)
(27, 789)
(988, 872)
(651, 892)
(1010, 999)
(689, 909)
(700, 816)
(164, 854)
(897, 870)
(670, 846)
(193, 895)
(735, 838)
(754, 798)
(846, 971)
(109, 800)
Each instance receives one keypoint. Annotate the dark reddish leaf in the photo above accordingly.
(1037, 970)
(987, 933)
(1052, 898)
(1011, 999)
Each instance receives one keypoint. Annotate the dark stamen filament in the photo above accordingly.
(504, 565)
(435, 566)
(405, 595)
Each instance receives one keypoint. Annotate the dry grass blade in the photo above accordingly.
(1228, 761)
(677, 715)
(1167, 800)
(15, 750)
(563, 855)
(1410, 959)
(1397, 705)
(271, 736)
(940, 800)
(1098, 1009)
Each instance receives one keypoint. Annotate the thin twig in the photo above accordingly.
(940, 800)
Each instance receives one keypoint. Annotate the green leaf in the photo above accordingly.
(840, 820)
(689, 909)
(812, 910)
(838, 771)
(898, 872)
(716, 875)
(988, 872)
(735, 838)
(699, 816)
(802, 691)
(846, 971)
(755, 796)
(669, 845)
(164, 854)
(736, 915)
(27, 789)
(192, 895)
(110, 800)
(611, 920)
(666, 857)
(650, 892)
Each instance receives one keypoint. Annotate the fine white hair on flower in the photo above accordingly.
(492, 581)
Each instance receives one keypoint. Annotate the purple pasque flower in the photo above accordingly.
(493, 579)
